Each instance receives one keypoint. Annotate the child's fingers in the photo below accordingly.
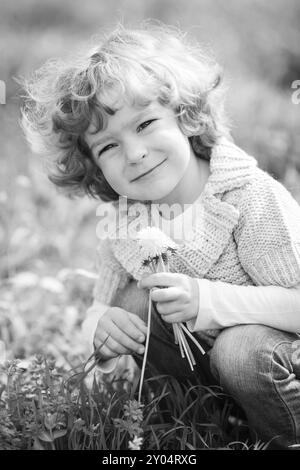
(164, 295)
(122, 320)
(117, 347)
(163, 279)
(175, 317)
(139, 323)
(125, 326)
(167, 308)
(131, 339)
(109, 349)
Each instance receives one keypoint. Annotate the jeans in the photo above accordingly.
(257, 365)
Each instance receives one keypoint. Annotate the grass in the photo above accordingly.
(48, 407)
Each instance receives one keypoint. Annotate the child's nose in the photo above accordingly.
(135, 151)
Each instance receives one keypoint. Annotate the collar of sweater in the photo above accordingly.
(230, 168)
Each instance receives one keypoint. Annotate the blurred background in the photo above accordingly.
(47, 241)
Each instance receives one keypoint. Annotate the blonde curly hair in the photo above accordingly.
(153, 62)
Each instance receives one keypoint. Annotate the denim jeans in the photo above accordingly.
(257, 365)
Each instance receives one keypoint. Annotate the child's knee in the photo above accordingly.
(133, 300)
(242, 355)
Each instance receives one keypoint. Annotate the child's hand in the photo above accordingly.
(178, 301)
(119, 332)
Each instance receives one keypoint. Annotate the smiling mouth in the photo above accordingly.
(147, 172)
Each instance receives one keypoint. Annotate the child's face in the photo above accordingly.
(142, 152)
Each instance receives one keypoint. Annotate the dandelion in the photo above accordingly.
(154, 244)
(136, 443)
(155, 250)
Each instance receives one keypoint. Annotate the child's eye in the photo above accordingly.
(107, 147)
(145, 124)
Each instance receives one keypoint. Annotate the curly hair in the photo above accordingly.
(154, 62)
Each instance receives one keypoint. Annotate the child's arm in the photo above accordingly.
(268, 244)
(205, 304)
(222, 305)
(88, 328)
(113, 331)
(268, 233)
(111, 276)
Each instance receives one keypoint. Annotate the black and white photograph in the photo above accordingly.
(149, 227)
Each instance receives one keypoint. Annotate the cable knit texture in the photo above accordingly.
(245, 231)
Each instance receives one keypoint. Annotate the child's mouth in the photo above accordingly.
(148, 172)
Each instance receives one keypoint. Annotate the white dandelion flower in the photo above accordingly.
(136, 443)
(154, 243)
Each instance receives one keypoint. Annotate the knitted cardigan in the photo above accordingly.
(246, 231)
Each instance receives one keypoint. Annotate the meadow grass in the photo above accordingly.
(48, 407)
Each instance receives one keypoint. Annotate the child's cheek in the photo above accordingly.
(162, 140)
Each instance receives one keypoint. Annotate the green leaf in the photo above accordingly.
(45, 436)
(59, 433)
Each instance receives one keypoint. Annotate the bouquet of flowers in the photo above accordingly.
(155, 250)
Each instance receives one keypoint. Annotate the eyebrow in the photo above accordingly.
(102, 140)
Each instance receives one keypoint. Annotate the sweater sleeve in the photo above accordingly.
(268, 233)
(222, 305)
(88, 328)
(111, 274)
(111, 277)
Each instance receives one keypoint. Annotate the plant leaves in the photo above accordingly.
(45, 436)
(59, 433)
(37, 445)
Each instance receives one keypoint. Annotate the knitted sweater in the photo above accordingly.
(245, 231)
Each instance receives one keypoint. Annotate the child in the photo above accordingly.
(141, 117)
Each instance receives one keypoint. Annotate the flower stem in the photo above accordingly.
(182, 339)
(146, 348)
(175, 329)
(193, 339)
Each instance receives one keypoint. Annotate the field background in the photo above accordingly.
(45, 237)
